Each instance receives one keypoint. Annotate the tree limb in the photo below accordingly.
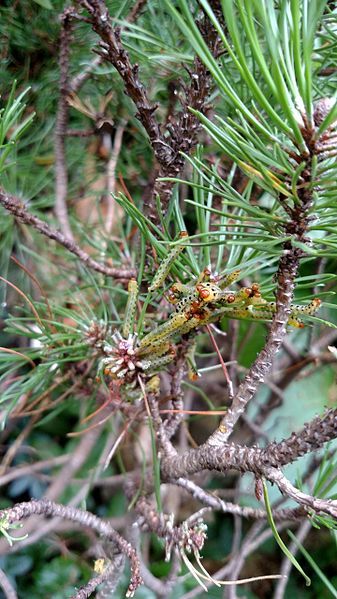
(19, 210)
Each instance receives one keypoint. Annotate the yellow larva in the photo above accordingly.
(130, 308)
(192, 370)
(267, 311)
(157, 362)
(310, 309)
(165, 330)
(209, 292)
(165, 266)
(154, 350)
(191, 324)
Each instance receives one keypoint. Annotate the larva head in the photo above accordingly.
(204, 293)
(295, 322)
(193, 374)
(209, 292)
(230, 298)
(171, 297)
(194, 308)
(256, 289)
(316, 303)
(133, 286)
(175, 293)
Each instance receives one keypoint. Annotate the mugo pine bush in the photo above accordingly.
(168, 278)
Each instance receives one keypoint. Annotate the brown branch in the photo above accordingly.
(113, 51)
(91, 586)
(8, 590)
(183, 127)
(19, 210)
(173, 421)
(325, 506)
(180, 133)
(286, 274)
(111, 571)
(61, 176)
(190, 534)
(47, 508)
(161, 587)
(314, 435)
(79, 80)
(263, 462)
(228, 507)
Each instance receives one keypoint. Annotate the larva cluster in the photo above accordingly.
(200, 302)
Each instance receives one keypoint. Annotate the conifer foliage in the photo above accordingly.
(168, 253)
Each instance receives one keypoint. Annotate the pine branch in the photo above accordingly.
(22, 511)
(180, 134)
(227, 507)
(19, 211)
(314, 435)
(287, 271)
(6, 585)
(88, 589)
(61, 177)
(113, 51)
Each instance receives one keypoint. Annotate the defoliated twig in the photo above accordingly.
(233, 508)
(325, 506)
(181, 133)
(91, 586)
(46, 508)
(113, 51)
(314, 435)
(61, 177)
(78, 81)
(6, 585)
(111, 177)
(19, 210)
